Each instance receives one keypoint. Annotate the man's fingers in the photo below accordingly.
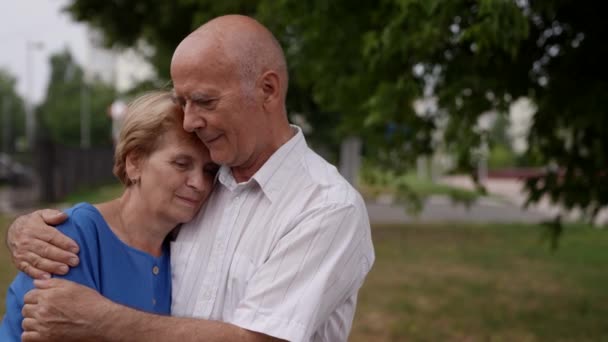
(31, 336)
(44, 283)
(45, 250)
(30, 299)
(28, 324)
(28, 310)
(52, 217)
(56, 238)
(46, 265)
(53, 282)
(53, 252)
(40, 257)
(31, 271)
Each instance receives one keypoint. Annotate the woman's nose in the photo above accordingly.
(196, 180)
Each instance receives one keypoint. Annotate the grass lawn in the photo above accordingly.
(96, 195)
(7, 270)
(417, 186)
(484, 283)
(426, 187)
(468, 283)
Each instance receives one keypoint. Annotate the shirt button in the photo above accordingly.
(153, 301)
(155, 270)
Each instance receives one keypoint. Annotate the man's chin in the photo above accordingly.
(220, 157)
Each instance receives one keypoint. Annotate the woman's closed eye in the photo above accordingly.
(182, 164)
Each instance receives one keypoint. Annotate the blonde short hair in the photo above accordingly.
(147, 118)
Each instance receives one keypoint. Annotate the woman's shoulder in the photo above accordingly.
(83, 209)
(84, 221)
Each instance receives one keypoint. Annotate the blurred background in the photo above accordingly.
(477, 132)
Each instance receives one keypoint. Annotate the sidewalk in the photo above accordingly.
(438, 209)
(513, 191)
(503, 205)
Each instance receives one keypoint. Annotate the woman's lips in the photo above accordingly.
(194, 202)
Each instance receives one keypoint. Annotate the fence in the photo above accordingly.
(63, 170)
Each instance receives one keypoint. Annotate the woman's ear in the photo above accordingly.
(133, 167)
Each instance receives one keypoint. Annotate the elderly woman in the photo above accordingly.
(167, 175)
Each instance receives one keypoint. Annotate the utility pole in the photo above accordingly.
(350, 159)
(85, 106)
(30, 119)
(6, 124)
(85, 116)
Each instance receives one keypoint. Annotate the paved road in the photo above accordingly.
(17, 200)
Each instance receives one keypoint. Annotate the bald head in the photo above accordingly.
(245, 44)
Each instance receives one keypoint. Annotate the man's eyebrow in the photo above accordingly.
(197, 95)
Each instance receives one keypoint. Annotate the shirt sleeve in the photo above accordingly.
(313, 270)
(11, 330)
(84, 273)
(83, 229)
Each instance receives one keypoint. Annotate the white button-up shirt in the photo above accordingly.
(283, 253)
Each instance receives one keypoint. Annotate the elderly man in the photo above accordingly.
(279, 251)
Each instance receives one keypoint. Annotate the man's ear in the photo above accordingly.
(270, 85)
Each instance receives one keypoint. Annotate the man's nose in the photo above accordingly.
(192, 119)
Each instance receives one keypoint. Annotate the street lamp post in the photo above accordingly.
(6, 124)
(30, 120)
(85, 115)
(85, 105)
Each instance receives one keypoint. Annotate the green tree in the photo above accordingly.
(12, 113)
(362, 64)
(61, 110)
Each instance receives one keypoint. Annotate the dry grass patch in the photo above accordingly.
(7, 270)
(483, 283)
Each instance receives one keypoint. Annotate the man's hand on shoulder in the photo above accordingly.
(37, 248)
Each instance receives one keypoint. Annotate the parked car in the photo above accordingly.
(14, 173)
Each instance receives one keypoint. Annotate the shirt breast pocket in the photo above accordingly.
(242, 269)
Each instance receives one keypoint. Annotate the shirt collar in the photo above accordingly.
(275, 173)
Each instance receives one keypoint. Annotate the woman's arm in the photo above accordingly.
(84, 274)
(10, 327)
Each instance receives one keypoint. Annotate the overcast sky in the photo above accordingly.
(23, 21)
